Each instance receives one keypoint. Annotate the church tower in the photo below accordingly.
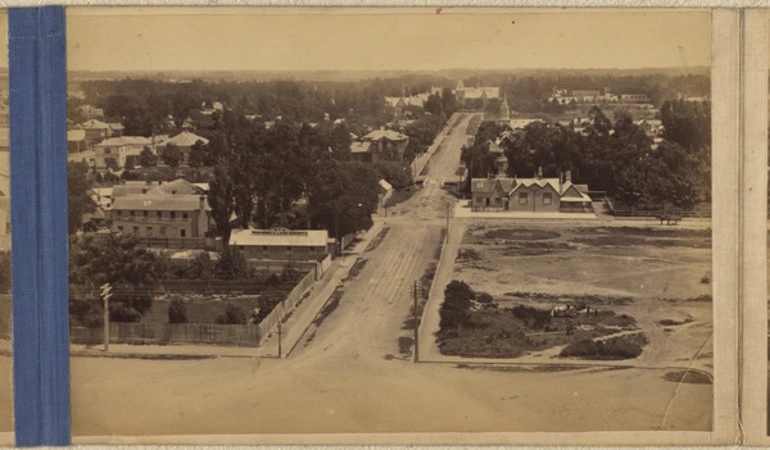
(505, 109)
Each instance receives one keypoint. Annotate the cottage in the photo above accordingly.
(281, 244)
(529, 195)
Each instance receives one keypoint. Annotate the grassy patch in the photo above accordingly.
(521, 234)
(377, 240)
(510, 333)
(688, 376)
(535, 248)
(628, 346)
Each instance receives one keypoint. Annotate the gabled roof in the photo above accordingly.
(179, 186)
(280, 237)
(389, 135)
(186, 139)
(542, 183)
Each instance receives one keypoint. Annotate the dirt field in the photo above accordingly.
(659, 275)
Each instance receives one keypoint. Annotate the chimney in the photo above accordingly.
(202, 199)
(540, 172)
(568, 176)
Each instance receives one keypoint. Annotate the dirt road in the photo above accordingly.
(346, 376)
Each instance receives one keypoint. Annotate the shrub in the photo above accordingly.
(484, 298)
(534, 318)
(273, 280)
(233, 315)
(232, 264)
(177, 311)
(622, 347)
(121, 312)
(455, 310)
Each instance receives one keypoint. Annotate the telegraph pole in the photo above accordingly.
(447, 220)
(280, 330)
(416, 326)
(106, 293)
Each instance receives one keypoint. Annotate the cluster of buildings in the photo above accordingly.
(114, 151)
(594, 96)
(176, 214)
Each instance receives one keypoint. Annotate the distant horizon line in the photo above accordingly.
(457, 69)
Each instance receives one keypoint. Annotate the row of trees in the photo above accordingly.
(290, 176)
(616, 158)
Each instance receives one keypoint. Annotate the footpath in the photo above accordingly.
(292, 330)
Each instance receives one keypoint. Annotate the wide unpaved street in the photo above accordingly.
(346, 374)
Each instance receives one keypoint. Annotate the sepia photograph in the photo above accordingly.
(362, 221)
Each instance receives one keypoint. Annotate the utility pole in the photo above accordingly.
(416, 326)
(106, 292)
(280, 330)
(447, 220)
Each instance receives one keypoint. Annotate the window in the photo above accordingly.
(184, 215)
(132, 213)
(159, 213)
(173, 214)
(145, 213)
(523, 198)
(241, 247)
(107, 151)
(288, 248)
(264, 248)
(162, 231)
(182, 233)
(547, 200)
(149, 231)
(7, 227)
(136, 230)
(119, 212)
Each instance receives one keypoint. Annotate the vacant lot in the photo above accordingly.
(660, 276)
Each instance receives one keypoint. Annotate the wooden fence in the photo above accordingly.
(282, 309)
(650, 212)
(184, 333)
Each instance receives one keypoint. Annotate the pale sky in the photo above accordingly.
(395, 39)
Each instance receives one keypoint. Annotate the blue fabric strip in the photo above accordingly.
(37, 76)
